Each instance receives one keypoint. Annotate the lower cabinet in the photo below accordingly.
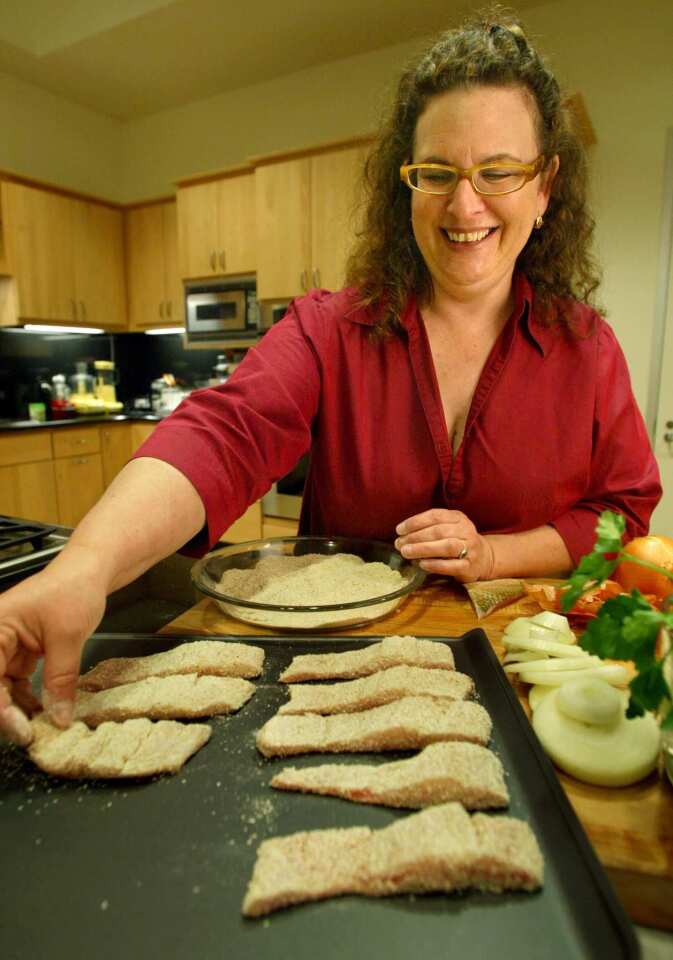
(79, 484)
(117, 447)
(28, 490)
(279, 527)
(247, 527)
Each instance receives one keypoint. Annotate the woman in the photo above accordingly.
(459, 396)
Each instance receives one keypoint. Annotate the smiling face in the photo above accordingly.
(470, 242)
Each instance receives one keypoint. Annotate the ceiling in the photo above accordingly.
(130, 58)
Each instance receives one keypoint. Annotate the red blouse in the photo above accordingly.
(553, 435)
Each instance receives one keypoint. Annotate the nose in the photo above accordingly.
(465, 201)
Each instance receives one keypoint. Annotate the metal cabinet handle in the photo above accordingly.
(82, 460)
(169, 308)
(83, 306)
(302, 280)
(222, 259)
(161, 309)
(213, 261)
(73, 306)
(316, 277)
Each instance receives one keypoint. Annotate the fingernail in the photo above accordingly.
(400, 528)
(59, 711)
(17, 726)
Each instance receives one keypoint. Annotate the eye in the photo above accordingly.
(498, 174)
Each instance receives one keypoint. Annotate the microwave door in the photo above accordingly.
(214, 313)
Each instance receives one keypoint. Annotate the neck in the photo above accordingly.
(469, 308)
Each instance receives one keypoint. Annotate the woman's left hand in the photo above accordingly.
(448, 543)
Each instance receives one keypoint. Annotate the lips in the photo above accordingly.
(468, 237)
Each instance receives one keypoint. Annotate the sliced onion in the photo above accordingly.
(537, 694)
(590, 700)
(554, 621)
(613, 673)
(520, 656)
(543, 646)
(557, 665)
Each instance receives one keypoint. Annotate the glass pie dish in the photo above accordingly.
(315, 598)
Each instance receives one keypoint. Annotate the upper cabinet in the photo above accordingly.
(155, 295)
(306, 213)
(66, 257)
(216, 227)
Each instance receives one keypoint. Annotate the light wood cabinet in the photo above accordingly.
(27, 483)
(66, 257)
(116, 448)
(79, 485)
(279, 527)
(155, 296)
(306, 215)
(216, 227)
(99, 265)
(247, 527)
(28, 490)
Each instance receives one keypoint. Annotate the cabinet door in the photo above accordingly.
(236, 225)
(335, 181)
(247, 527)
(139, 433)
(282, 192)
(28, 490)
(39, 234)
(99, 265)
(79, 484)
(174, 297)
(198, 230)
(145, 267)
(116, 449)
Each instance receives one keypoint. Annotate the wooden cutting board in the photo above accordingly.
(631, 828)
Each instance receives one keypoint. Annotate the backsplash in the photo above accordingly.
(139, 358)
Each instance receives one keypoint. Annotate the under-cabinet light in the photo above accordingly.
(162, 330)
(56, 328)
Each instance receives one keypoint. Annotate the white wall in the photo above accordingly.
(52, 139)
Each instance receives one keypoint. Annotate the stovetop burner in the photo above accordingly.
(14, 533)
(26, 546)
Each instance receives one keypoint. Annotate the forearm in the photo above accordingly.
(533, 553)
(147, 513)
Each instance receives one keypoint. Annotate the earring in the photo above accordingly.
(538, 222)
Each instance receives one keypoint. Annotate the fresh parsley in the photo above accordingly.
(626, 627)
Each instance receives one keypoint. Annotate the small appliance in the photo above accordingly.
(106, 380)
(221, 314)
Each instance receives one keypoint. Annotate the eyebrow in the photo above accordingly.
(495, 158)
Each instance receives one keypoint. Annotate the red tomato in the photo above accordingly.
(655, 549)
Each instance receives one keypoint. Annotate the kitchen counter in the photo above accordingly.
(630, 828)
(82, 420)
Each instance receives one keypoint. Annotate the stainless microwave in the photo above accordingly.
(221, 315)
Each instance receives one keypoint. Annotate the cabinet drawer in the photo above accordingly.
(71, 443)
(247, 527)
(24, 448)
(279, 527)
(79, 484)
(28, 490)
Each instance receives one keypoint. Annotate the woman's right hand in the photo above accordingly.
(50, 615)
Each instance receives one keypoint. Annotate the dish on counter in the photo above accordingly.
(208, 573)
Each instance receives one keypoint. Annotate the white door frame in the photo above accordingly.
(662, 294)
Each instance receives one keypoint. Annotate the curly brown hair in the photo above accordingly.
(386, 265)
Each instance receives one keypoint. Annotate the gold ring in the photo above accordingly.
(463, 553)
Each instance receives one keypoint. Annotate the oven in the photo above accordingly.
(221, 314)
(284, 497)
(26, 547)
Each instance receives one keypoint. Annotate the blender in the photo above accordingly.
(82, 386)
(106, 379)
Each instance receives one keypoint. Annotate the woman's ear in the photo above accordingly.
(547, 178)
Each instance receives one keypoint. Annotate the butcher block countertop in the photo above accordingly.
(631, 828)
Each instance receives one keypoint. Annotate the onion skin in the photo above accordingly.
(654, 549)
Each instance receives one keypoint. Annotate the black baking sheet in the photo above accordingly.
(142, 869)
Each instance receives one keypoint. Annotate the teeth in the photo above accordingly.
(467, 237)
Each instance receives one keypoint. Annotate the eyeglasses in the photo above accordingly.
(490, 179)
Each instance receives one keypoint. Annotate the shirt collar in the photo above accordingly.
(523, 314)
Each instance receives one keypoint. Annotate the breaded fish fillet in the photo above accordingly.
(164, 698)
(390, 652)
(135, 748)
(405, 724)
(441, 848)
(442, 772)
(217, 658)
(385, 686)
